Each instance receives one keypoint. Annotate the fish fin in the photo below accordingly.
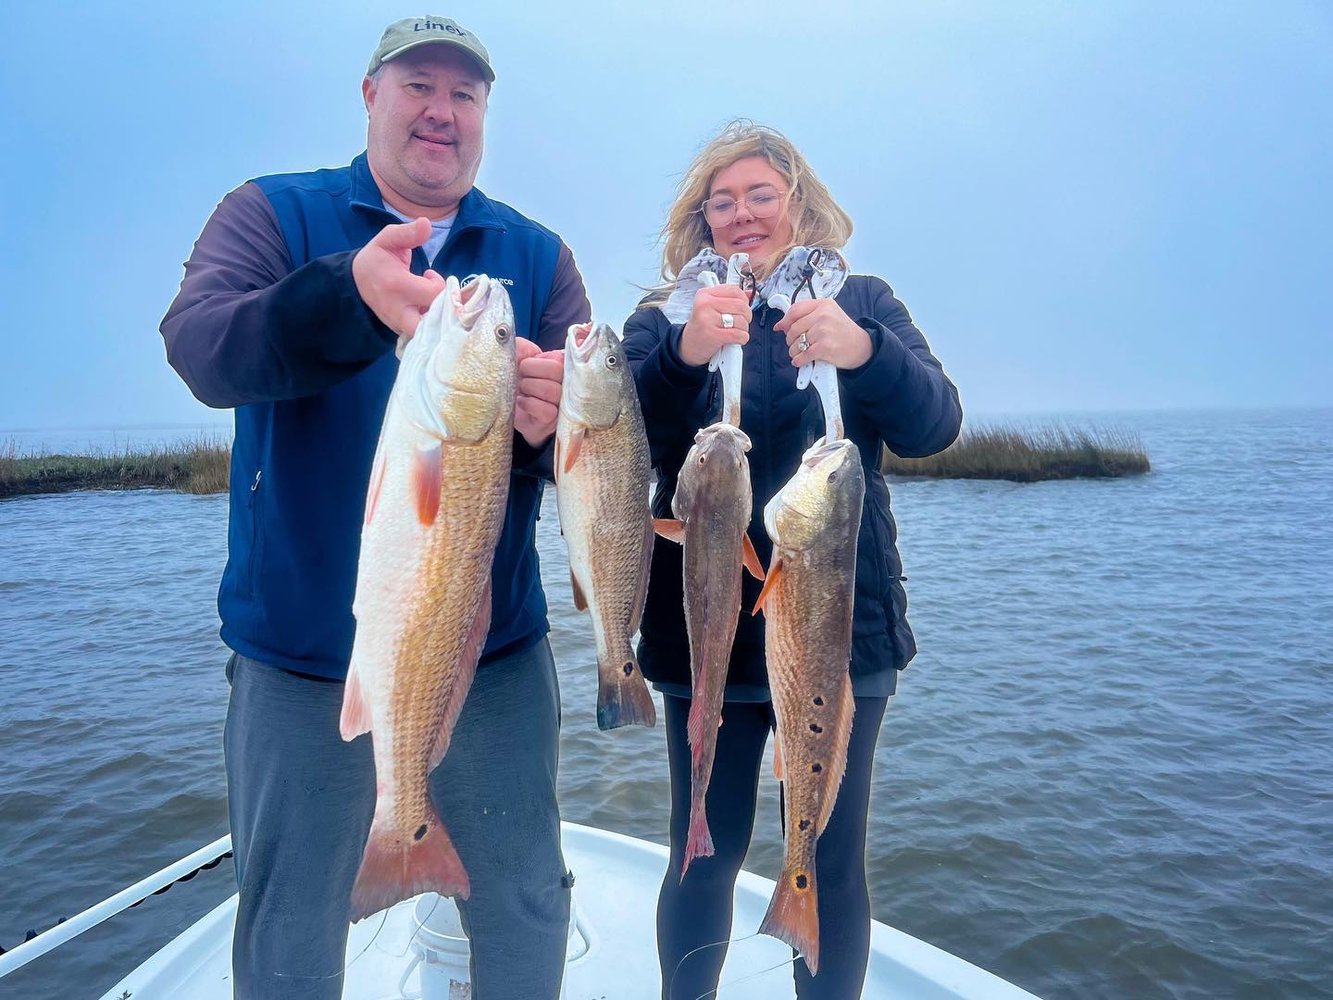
(376, 483)
(842, 720)
(699, 841)
(580, 602)
(355, 718)
(398, 865)
(555, 472)
(670, 529)
(750, 558)
(793, 914)
(467, 668)
(779, 770)
(623, 698)
(426, 474)
(770, 581)
(575, 446)
(694, 725)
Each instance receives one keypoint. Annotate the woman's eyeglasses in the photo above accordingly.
(763, 203)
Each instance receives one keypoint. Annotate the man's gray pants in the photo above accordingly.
(301, 800)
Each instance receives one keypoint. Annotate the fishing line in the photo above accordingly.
(384, 919)
(746, 979)
(671, 986)
(334, 975)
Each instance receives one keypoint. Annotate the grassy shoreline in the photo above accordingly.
(1029, 455)
(195, 465)
(201, 464)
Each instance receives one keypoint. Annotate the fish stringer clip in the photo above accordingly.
(729, 358)
(822, 374)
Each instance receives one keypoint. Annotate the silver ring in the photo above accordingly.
(728, 321)
(802, 344)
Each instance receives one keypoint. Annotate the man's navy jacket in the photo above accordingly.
(268, 320)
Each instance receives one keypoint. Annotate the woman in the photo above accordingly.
(750, 190)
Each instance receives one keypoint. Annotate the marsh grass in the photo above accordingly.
(201, 464)
(195, 465)
(1027, 455)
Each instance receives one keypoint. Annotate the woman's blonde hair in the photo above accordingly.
(816, 219)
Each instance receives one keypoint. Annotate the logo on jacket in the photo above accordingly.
(507, 282)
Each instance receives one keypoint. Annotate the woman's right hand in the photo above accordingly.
(707, 331)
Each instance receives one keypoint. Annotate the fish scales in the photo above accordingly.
(603, 471)
(434, 512)
(807, 603)
(450, 608)
(712, 504)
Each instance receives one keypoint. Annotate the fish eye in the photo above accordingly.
(502, 333)
(832, 476)
(611, 361)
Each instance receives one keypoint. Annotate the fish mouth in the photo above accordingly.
(722, 437)
(821, 453)
(585, 337)
(471, 300)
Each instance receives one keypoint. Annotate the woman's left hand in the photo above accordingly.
(818, 330)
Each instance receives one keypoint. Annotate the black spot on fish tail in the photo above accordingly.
(804, 824)
(819, 700)
(816, 728)
(421, 832)
(802, 881)
(816, 767)
(625, 704)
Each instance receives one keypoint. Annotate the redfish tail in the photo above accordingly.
(623, 698)
(699, 840)
(793, 915)
(398, 865)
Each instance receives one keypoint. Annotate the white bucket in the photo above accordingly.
(441, 951)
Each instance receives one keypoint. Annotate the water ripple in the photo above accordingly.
(1108, 774)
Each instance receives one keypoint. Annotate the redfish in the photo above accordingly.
(436, 504)
(712, 505)
(602, 475)
(807, 603)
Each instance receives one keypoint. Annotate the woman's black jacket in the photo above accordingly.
(900, 398)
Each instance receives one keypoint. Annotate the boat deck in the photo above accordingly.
(612, 945)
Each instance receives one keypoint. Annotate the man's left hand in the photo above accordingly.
(830, 335)
(537, 401)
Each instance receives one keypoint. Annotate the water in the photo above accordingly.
(1109, 772)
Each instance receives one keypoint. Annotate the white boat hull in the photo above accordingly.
(613, 945)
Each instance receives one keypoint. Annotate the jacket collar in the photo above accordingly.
(475, 211)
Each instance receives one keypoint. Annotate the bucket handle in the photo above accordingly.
(407, 974)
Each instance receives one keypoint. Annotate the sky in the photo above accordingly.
(1086, 206)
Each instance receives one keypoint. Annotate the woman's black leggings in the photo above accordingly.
(697, 911)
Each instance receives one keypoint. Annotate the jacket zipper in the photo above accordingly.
(252, 568)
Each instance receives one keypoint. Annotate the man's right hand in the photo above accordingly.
(382, 270)
(705, 332)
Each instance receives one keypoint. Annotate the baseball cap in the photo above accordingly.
(410, 32)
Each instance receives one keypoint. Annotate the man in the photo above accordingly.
(292, 301)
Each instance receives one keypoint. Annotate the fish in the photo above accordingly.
(807, 605)
(602, 477)
(435, 506)
(712, 504)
